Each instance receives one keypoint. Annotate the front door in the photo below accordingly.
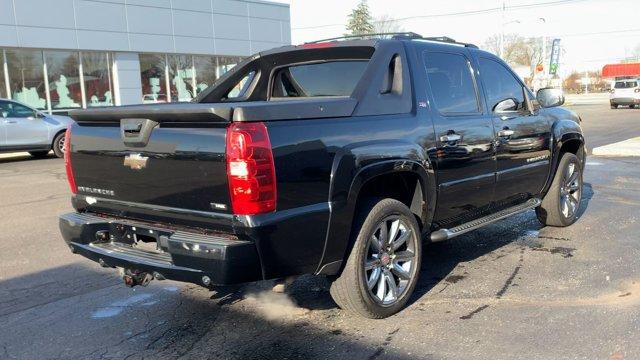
(523, 135)
(464, 136)
(24, 127)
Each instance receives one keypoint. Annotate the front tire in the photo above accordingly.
(58, 145)
(382, 269)
(614, 106)
(561, 204)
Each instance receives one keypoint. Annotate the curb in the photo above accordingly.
(629, 147)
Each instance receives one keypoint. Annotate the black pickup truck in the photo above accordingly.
(334, 158)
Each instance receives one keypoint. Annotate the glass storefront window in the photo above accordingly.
(181, 77)
(96, 71)
(152, 76)
(226, 63)
(26, 77)
(206, 73)
(64, 79)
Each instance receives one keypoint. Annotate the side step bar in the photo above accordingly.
(446, 234)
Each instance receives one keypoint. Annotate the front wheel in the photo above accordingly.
(632, 106)
(58, 145)
(382, 269)
(614, 106)
(561, 204)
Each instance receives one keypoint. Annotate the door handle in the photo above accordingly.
(450, 138)
(10, 121)
(506, 118)
(505, 133)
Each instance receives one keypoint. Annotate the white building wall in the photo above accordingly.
(221, 27)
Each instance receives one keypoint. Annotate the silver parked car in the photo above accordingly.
(23, 128)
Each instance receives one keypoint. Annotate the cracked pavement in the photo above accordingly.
(512, 290)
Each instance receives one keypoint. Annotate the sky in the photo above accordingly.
(592, 32)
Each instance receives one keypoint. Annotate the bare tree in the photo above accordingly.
(386, 24)
(519, 50)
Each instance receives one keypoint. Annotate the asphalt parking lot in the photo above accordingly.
(513, 290)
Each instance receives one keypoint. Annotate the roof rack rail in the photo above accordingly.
(446, 39)
(396, 36)
(390, 35)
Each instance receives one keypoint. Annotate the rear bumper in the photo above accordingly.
(186, 257)
(624, 100)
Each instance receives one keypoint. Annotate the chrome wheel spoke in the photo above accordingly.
(372, 264)
(404, 236)
(382, 287)
(373, 278)
(395, 225)
(400, 271)
(403, 256)
(391, 283)
(375, 243)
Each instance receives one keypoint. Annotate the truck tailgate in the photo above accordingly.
(179, 167)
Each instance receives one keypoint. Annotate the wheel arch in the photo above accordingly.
(380, 179)
(567, 137)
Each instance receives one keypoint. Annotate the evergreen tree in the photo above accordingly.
(360, 20)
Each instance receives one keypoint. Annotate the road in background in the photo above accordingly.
(510, 290)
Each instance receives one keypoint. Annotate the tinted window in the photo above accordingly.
(625, 84)
(452, 83)
(15, 110)
(500, 84)
(334, 78)
(242, 86)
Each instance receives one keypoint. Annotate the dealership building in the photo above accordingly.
(65, 54)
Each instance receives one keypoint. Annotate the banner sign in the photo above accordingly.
(555, 57)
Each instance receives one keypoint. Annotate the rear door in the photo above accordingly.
(464, 134)
(523, 135)
(23, 126)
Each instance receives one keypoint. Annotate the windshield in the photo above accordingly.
(626, 84)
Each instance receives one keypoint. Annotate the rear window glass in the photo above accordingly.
(333, 78)
(626, 84)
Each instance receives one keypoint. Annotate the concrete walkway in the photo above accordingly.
(629, 147)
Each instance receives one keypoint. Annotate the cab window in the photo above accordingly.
(452, 83)
(15, 110)
(500, 84)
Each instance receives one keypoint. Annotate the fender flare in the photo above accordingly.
(344, 196)
(563, 131)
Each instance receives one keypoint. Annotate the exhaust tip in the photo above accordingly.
(206, 280)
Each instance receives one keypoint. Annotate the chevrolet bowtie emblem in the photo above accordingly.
(136, 161)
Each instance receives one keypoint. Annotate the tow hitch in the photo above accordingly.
(135, 277)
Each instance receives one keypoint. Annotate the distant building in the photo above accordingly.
(621, 71)
(65, 54)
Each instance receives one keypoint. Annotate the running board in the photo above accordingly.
(446, 234)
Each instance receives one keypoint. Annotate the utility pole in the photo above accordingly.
(502, 31)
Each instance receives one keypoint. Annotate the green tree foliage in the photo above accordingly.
(360, 21)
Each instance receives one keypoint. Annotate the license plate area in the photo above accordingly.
(140, 237)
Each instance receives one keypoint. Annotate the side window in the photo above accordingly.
(17, 111)
(242, 86)
(331, 78)
(452, 83)
(500, 84)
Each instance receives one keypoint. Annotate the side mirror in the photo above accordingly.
(506, 105)
(550, 97)
(5, 114)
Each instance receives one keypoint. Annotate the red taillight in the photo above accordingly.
(67, 161)
(250, 169)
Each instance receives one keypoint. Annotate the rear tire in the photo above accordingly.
(382, 269)
(39, 154)
(614, 106)
(58, 145)
(632, 106)
(561, 204)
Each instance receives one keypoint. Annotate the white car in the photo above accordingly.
(625, 92)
